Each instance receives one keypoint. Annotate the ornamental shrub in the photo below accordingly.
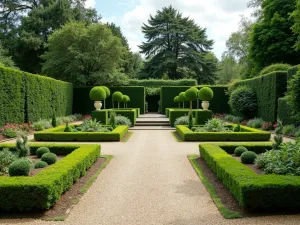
(248, 157)
(107, 91)
(41, 151)
(20, 167)
(117, 96)
(293, 96)
(240, 150)
(278, 138)
(97, 94)
(22, 146)
(6, 158)
(181, 98)
(237, 128)
(289, 130)
(205, 94)
(275, 68)
(256, 123)
(112, 120)
(40, 164)
(183, 120)
(191, 95)
(49, 158)
(67, 128)
(191, 122)
(243, 100)
(54, 122)
(121, 120)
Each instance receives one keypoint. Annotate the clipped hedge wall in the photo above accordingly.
(82, 103)
(268, 89)
(292, 71)
(174, 114)
(247, 134)
(101, 116)
(219, 104)
(259, 192)
(161, 83)
(285, 112)
(129, 113)
(58, 134)
(26, 97)
(44, 189)
(202, 116)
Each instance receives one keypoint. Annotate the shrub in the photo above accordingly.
(243, 100)
(293, 96)
(255, 123)
(248, 157)
(107, 91)
(213, 125)
(54, 122)
(278, 138)
(275, 68)
(117, 96)
(112, 120)
(122, 120)
(92, 126)
(41, 125)
(191, 124)
(182, 97)
(183, 120)
(41, 151)
(267, 126)
(40, 164)
(297, 135)
(229, 118)
(97, 94)
(289, 130)
(67, 128)
(237, 128)
(191, 95)
(240, 150)
(6, 158)
(10, 133)
(20, 167)
(49, 158)
(22, 146)
(205, 94)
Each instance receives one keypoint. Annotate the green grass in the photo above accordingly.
(176, 136)
(226, 213)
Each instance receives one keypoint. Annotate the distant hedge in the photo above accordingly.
(162, 83)
(25, 97)
(285, 112)
(292, 71)
(268, 89)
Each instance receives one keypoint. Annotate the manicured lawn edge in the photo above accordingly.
(57, 134)
(247, 134)
(44, 189)
(258, 192)
(226, 213)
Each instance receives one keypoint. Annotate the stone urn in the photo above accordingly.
(205, 105)
(98, 105)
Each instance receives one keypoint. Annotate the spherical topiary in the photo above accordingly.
(248, 157)
(117, 96)
(97, 94)
(41, 151)
(182, 97)
(205, 94)
(49, 158)
(107, 91)
(240, 150)
(19, 167)
(191, 94)
(40, 164)
(274, 68)
(125, 98)
(176, 99)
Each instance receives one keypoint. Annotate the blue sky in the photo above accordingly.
(220, 17)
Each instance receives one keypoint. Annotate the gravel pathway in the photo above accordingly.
(150, 181)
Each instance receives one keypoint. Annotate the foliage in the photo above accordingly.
(122, 120)
(205, 94)
(41, 151)
(117, 96)
(237, 128)
(174, 43)
(183, 120)
(296, 26)
(50, 158)
(20, 167)
(22, 146)
(191, 95)
(9, 133)
(294, 96)
(191, 121)
(289, 130)
(275, 68)
(229, 70)
(248, 157)
(6, 158)
(92, 126)
(67, 128)
(41, 125)
(213, 125)
(54, 122)
(243, 100)
(267, 126)
(107, 91)
(97, 94)
(112, 120)
(234, 119)
(278, 138)
(6, 60)
(158, 83)
(240, 150)
(182, 97)
(255, 123)
(40, 164)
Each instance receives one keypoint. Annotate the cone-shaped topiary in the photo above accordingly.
(248, 157)
(182, 97)
(240, 150)
(20, 167)
(40, 164)
(22, 146)
(191, 95)
(41, 151)
(191, 124)
(97, 94)
(205, 94)
(49, 158)
(118, 97)
(112, 120)
(54, 122)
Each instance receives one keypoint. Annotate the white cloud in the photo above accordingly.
(220, 17)
(90, 3)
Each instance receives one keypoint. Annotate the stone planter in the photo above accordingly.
(205, 105)
(98, 105)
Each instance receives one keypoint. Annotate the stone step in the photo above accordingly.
(152, 121)
(153, 124)
(152, 128)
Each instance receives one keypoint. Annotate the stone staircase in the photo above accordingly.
(152, 121)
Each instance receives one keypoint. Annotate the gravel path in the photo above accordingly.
(150, 181)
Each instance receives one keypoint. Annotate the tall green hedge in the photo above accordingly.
(26, 97)
(83, 104)
(268, 89)
(162, 83)
(292, 71)
(285, 112)
(219, 104)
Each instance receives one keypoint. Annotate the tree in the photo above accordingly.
(5, 60)
(229, 70)
(174, 42)
(82, 54)
(296, 26)
(272, 39)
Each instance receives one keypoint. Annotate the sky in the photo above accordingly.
(219, 17)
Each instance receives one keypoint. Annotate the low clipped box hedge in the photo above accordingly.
(101, 116)
(176, 113)
(129, 113)
(41, 191)
(247, 134)
(58, 134)
(254, 191)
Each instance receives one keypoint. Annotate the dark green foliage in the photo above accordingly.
(202, 116)
(81, 94)
(41, 151)
(130, 114)
(20, 167)
(191, 122)
(237, 128)
(54, 122)
(22, 146)
(205, 94)
(275, 68)
(112, 119)
(240, 150)
(248, 157)
(292, 71)
(40, 164)
(97, 94)
(278, 138)
(162, 83)
(45, 188)
(243, 100)
(294, 96)
(268, 89)
(174, 114)
(285, 111)
(101, 116)
(191, 95)
(219, 104)
(67, 128)
(6, 158)
(50, 158)
(57, 134)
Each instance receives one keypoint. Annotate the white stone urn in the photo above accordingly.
(205, 105)
(98, 105)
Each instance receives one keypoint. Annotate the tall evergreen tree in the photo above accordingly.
(174, 43)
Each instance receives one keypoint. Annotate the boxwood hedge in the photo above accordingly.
(200, 115)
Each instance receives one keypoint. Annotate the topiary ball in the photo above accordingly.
(248, 157)
(176, 99)
(107, 91)
(191, 94)
(19, 167)
(97, 94)
(49, 158)
(182, 97)
(40, 164)
(41, 151)
(117, 96)
(126, 98)
(240, 150)
(205, 94)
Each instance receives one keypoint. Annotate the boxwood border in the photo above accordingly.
(57, 134)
